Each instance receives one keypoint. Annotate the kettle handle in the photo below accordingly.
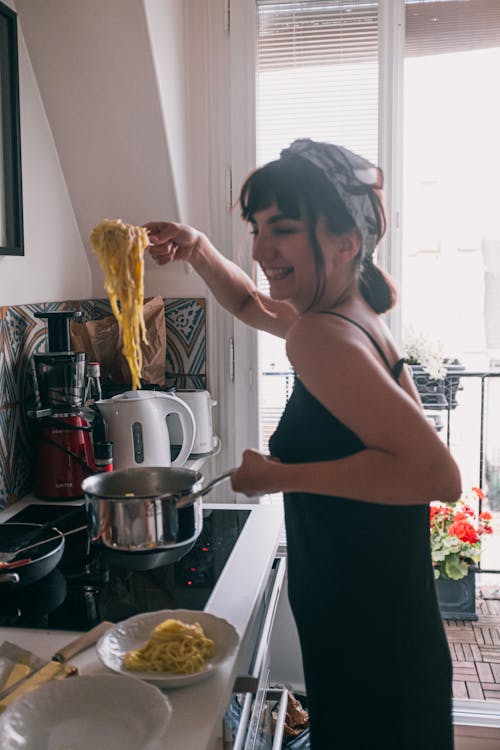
(169, 404)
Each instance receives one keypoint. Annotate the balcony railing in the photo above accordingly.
(465, 409)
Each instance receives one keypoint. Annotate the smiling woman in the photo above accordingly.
(353, 450)
(11, 221)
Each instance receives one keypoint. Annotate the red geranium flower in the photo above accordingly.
(456, 531)
(464, 531)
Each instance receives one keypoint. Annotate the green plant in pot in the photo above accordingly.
(421, 351)
(436, 377)
(456, 531)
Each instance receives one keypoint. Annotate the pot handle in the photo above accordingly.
(189, 499)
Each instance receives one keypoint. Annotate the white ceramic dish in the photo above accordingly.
(102, 712)
(135, 631)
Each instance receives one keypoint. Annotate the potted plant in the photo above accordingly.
(435, 375)
(455, 532)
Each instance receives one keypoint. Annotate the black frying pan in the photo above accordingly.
(28, 606)
(43, 559)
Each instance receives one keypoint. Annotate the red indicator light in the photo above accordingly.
(192, 570)
(189, 583)
(204, 549)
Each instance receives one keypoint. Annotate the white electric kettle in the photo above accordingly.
(136, 424)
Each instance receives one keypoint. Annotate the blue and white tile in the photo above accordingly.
(24, 334)
(186, 336)
(16, 455)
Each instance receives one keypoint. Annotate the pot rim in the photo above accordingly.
(100, 494)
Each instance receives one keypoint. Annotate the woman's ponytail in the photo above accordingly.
(376, 286)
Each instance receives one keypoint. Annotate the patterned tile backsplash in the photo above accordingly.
(22, 335)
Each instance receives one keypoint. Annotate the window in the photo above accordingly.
(451, 160)
(451, 225)
(318, 73)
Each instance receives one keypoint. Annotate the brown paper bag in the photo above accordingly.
(101, 341)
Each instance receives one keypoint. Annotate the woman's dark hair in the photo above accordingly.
(302, 191)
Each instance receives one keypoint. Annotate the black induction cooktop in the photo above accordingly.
(88, 587)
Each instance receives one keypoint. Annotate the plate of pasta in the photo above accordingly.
(170, 647)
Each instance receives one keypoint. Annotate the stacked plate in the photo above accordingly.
(102, 712)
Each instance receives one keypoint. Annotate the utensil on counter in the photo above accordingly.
(64, 654)
(42, 560)
(148, 509)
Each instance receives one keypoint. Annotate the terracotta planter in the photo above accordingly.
(457, 599)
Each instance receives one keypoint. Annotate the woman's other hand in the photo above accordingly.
(257, 474)
(169, 241)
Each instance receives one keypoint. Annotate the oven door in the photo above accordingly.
(249, 724)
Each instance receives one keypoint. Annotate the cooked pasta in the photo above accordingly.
(120, 250)
(174, 646)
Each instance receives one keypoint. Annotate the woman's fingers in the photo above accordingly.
(169, 241)
(164, 253)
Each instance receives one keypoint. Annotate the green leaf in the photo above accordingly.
(438, 555)
(455, 568)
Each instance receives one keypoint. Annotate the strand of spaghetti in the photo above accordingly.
(174, 646)
(120, 250)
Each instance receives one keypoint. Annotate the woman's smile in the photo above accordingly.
(282, 247)
(277, 273)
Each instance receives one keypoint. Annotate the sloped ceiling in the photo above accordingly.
(95, 68)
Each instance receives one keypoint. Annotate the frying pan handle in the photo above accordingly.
(9, 578)
(188, 499)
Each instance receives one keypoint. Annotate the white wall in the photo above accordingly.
(55, 265)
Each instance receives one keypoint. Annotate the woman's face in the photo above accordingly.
(283, 249)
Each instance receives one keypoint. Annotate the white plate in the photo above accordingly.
(135, 631)
(102, 712)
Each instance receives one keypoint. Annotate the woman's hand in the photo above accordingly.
(257, 474)
(169, 241)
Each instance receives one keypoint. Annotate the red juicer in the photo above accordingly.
(64, 447)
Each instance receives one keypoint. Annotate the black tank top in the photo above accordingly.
(357, 567)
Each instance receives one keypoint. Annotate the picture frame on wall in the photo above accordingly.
(11, 202)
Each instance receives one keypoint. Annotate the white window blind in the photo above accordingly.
(317, 74)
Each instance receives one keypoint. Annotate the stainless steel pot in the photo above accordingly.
(146, 509)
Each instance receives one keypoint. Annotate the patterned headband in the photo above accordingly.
(349, 174)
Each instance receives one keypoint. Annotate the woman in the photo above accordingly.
(353, 453)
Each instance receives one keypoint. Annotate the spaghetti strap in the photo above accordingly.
(394, 369)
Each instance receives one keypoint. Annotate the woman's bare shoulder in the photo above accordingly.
(315, 337)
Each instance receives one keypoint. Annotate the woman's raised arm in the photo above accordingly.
(229, 284)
